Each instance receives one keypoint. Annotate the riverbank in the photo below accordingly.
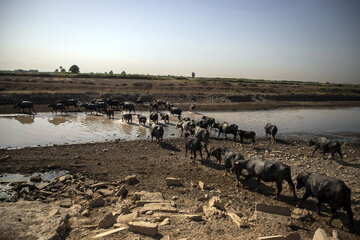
(111, 162)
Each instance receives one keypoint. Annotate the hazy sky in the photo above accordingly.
(307, 40)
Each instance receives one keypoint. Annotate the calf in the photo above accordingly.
(157, 132)
(270, 130)
(328, 146)
(154, 117)
(326, 190)
(194, 144)
(142, 119)
(247, 135)
(216, 152)
(268, 171)
(164, 117)
(230, 158)
(127, 117)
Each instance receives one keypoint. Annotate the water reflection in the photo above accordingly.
(25, 119)
(57, 120)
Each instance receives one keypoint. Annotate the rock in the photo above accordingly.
(301, 214)
(194, 217)
(278, 210)
(65, 178)
(293, 236)
(320, 234)
(240, 223)
(166, 221)
(122, 208)
(199, 209)
(105, 192)
(158, 207)
(104, 234)
(85, 213)
(144, 197)
(131, 180)
(42, 185)
(217, 203)
(145, 228)
(275, 237)
(212, 211)
(107, 221)
(35, 178)
(175, 198)
(127, 217)
(122, 192)
(66, 203)
(170, 181)
(98, 202)
(335, 235)
(192, 184)
(99, 185)
(202, 185)
(105, 150)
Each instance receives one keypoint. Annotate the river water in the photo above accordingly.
(47, 128)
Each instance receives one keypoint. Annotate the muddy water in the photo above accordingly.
(47, 128)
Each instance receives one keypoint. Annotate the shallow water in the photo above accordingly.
(48, 128)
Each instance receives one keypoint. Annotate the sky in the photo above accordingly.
(307, 40)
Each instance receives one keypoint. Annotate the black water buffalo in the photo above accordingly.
(327, 146)
(175, 111)
(154, 117)
(194, 144)
(101, 106)
(216, 152)
(154, 107)
(139, 101)
(57, 107)
(164, 117)
(142, 119)
(113, 103)
(326, 190)
(68, 103)
(25, 104)
(246, 135)
(265, 170)
(208, 121)
(157, 132)
(89, 106)
(110, 113)
(202, 133)
(230, 158)
(202, 123)
(226, 129)
(128, 106)
(127, 117)
(271, 130)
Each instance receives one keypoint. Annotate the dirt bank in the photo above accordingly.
(113, 161)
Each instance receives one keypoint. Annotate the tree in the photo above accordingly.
(111, 72)
(74, 69)
(56, 70)
(123, 73)
(192, 74)
(62, 70)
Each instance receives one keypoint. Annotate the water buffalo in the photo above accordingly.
(25, 104)
(175, 111)
(246, 135)
(194, 144)
(110, 113)
(57, 107)
(216, 152)
(128, 106)
(265, 170)
(142, 119)
(326, 190)
(139, 101)
(113, 103)
(186, 126)
(101, 106)
(127, 117)
(164, 117)
(154, 107)
(230, 157)
(328, 146)
(208, 121)
(68, 103)
(154, 117)
(89, 106)
(157, 132)
(270, 130)
(202, 133)
(192, 108)
(226, 129)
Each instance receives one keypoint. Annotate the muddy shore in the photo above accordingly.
(113, 161)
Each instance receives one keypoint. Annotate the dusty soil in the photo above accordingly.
(152, 164)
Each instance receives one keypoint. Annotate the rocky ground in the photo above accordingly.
(91, 198)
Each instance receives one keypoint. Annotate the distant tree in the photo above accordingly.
(62, 70)
(56, 70)
(123, 73)
(74, 69)
(111, 72)
(192, 74)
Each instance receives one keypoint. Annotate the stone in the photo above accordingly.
(170, 181)
(99, 185)
(275, 237)
(107, 221)
(145, 228)
(105, 192)
(199, 209)
(194, 217)
(175, 198)
(5, 158)
(122, 208)
(158, 207)
(66, 203)
(212, 211)
(166, 221)
(35, 178)
(97, 202)
(131, 180)
(122, 192)
(65, 178)
(217, 203)
(293, 236)
(104, 234)
(320, 234)
(144, 197)
(85, 213)
(202, 185)
(278, 210)
(42, 185)
(301, 214)
(127, 217)
(240, 223)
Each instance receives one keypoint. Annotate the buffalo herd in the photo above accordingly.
(197, 134)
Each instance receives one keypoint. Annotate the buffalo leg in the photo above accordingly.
(334, 214)
(186, 149)
(319, 207)
(347, 208)
(292, 186)
(279, 187)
